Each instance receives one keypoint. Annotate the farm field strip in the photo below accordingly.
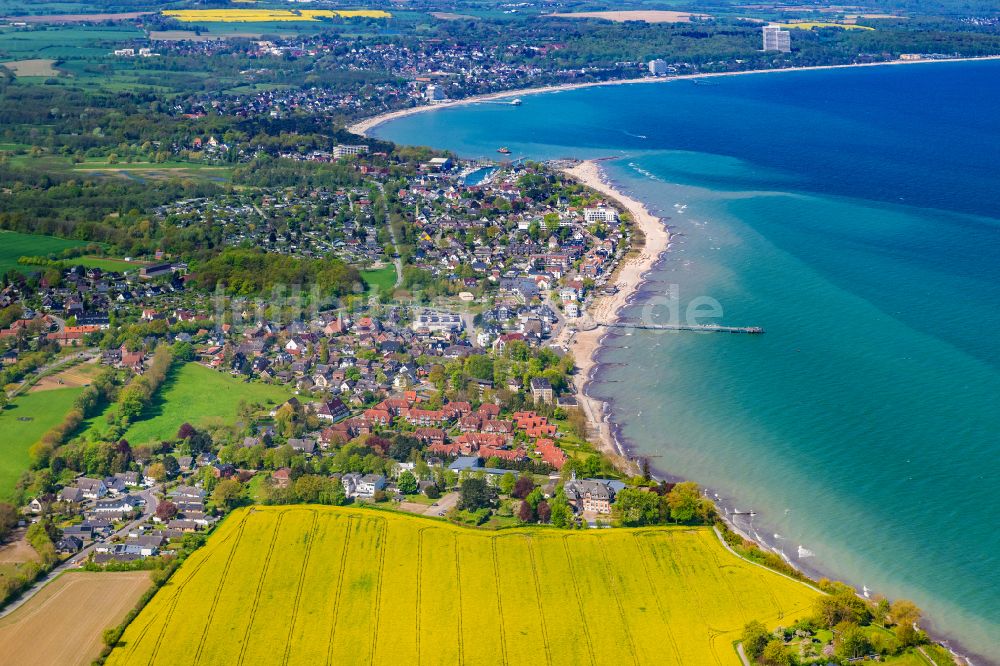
(309, 539)
(400, 570)
(610, 636)
(665, 616)
(663, 566)
(268, 15)
(350, 641)
(313, 620)
(49, 630)
(314, 585)
(517, 589)
(292, 536)
(640, 610)
(232, 606)
(480, 602)
(439, 601)
(566, 617)
(565, 620)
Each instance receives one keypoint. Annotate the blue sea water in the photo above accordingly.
(855, 214)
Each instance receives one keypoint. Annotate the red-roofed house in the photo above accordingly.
(430, 435)
(443, 449)
(488, 410)
(550, 453)
(503, 454)
(380, 416)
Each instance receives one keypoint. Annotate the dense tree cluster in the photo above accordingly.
(860, 628)
(246, 272)
(677, 503)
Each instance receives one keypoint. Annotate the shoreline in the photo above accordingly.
(363, 127)
(628, 277)
(586, 345)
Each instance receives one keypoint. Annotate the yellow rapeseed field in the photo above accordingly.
(326, 585)
(268, 15)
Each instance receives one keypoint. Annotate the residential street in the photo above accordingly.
(77, 560)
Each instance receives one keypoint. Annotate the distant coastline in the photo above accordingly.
(363, 127)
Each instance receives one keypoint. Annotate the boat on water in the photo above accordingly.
(516, 101)
(504, 150)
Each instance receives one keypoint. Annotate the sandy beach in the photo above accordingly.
(628, 277)
(584, 344)
(362, 127)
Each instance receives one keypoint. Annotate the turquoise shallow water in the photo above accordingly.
(854, 215)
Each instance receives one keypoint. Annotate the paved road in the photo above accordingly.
(444, 505)
(77, 560)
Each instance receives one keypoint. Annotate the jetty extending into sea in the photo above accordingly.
(703, 328)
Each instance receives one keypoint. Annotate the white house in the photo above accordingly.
(364, 487)
(91, 488)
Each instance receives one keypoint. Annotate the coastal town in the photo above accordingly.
(241, 335)
(470, 375)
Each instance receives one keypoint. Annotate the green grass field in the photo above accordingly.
(106, 263)
(380, 279)
(314, 585)
(65, 41)
(196, 395)
(14, 245)
(40, 412)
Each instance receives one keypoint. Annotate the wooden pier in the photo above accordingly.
(702, 328)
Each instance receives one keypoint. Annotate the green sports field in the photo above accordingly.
(22, 423)
(327, 585)
(195, 394)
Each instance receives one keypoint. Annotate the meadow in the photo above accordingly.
(34, 67)
(809, 25)
(197, 395)
(65, 41)
(22, 423)
(270, 15)
(647, 15)
(15, 245)
(313, 585)
(380, 280)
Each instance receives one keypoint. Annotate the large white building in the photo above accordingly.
(345, 150)
(434, 93)
(600, 214)
(776, 39)
(437, 322)
(658, 67)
